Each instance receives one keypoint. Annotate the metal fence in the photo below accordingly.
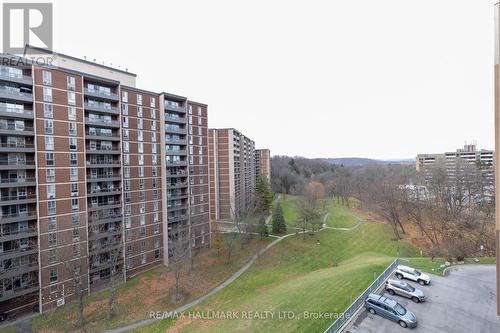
(351, 310)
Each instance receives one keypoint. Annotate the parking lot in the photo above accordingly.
(464, 301)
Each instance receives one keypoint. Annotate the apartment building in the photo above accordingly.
(482, 159)
(94, 173)
(232, 173)
(263, 163)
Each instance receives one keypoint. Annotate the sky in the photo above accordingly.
(378, 79)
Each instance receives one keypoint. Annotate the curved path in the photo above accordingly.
(221, 286)
(358, 223)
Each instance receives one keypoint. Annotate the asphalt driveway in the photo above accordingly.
(462, 302)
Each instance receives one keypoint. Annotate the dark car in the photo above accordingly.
(390, 309)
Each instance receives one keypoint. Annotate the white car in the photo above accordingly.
(405, 272)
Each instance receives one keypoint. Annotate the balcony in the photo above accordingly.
(103, 219)
(16, 164)
(15, 182)
(19, 252)
(102, 178)
(18, 217)
(18, 291)
(17, 200)
(103, 150)
(177, 196)
(173, 208)
(104, 192)
(101, 108)
(178, 218)
(101, 136)
(104, 164)
(13, 77)
(103, 123)
(171, 152)
(15, 113)
(101, 95)
(180, 142)
(174, 107)
(94, 234)
(179, 174)
(12, 130)
(15, 94)
(176, 163)
(177, 185)
(17, 234)
(104, 205)
(177, 120)
(17, 147)
(175, 130)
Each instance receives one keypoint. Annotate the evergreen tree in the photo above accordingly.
(263, 227)
(279, 224)
(264, 195)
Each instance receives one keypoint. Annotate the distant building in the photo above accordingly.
(263, 163)
(231, 158)
(469, 153)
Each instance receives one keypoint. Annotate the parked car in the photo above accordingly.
(390, 309)
(405, 272)
(404, 289)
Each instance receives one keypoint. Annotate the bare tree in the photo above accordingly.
(179, 252)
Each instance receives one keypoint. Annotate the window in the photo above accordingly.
(141, 171)
(73, 159)
(139, 123)
(140, 159)
(71, 98)
(74, 204)
(153, 136)
(72, 129)
(76, 250)
(51, 191)
(53, 275)
(190, 109)
(74, 189)
(140, 136)
(141, 184)
(47, 94)
(125, 109)
(153, 125)
(125, 134)
(49, 143)
(52, 256)
(52, 223)
(125, 122)
(142, 220)
(142, 196)
(143, 258)
(70, 82)
(73, 174)
(71, 113)
(126, 159)
(128, 209)
(155, 205)
(156, 217)
(128, 197)
(126, 147)
(154, 171)
(153, 102)
(49, 159)
(72, 143)
(128, 222)
(49, 127)
(139, 99)
(48, 112)
(51, 207)
(75, 222)
(142, 231)
(50, 175)
(140, 148)
(154, 159)
(156, 229)
(47, 78)
(153, 114)
(124, 96)
(127, 184)
(126, 172)
(139, 111)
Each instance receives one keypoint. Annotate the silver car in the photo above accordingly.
(404, 289)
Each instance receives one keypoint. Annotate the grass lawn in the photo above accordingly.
(340, 216)
(300, 275)
(149, 291)
(289, 209)
(427, 265)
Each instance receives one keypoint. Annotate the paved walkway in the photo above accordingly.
(221, 286)
(358, 223)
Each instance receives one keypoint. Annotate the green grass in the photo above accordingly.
(289, 209)
(434, 266)
(301, 275)
(340, 216)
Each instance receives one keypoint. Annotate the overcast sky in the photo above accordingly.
(379, 79)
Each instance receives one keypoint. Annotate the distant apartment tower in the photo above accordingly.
(94, 173)
(232, 173)
(482, 159)
(263, 163)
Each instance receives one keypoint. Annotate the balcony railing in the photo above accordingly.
(18, 197)
(100, 93)
(102, 122)
(113, 162)
(25, 215)
(103, 176)
(20, 112)
(16, 145)
(13, 128)
(16, 162)
(16, 180)
(105, 190)
(29, 230)
(16, 93)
